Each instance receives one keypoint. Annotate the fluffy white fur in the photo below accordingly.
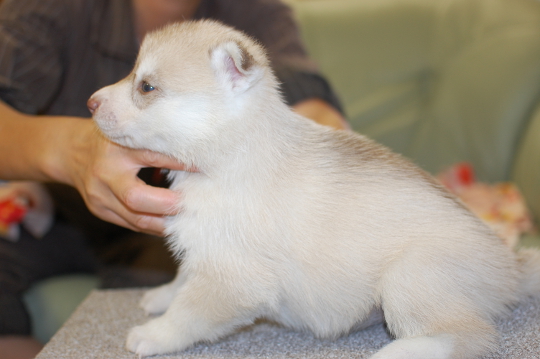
(316, 229)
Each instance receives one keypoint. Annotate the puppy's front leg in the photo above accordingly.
(201, 311)
(157, 300)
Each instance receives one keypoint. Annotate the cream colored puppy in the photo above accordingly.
(314, 228)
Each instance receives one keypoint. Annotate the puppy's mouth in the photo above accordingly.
(117, 138)
(123, 140)
(112, 132)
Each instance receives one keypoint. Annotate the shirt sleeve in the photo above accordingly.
(272, 23)
(31, 34)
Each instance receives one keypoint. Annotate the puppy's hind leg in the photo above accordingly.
(440, 346)
(431, 318)
(458, 338)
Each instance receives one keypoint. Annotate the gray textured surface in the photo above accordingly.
(98, 329)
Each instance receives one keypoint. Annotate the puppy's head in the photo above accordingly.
(190, 81)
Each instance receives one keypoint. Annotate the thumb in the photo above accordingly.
(149, 158)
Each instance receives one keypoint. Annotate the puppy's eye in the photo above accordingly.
(146, 87)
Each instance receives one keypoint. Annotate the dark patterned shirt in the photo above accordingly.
(55, 53)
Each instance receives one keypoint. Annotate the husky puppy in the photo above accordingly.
(314, 228)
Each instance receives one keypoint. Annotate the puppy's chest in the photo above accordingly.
(214, 213)
(207, 197)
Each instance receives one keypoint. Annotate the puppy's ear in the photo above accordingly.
(234, 67)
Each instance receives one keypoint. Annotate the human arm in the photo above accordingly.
(71, 150)
(321, 112)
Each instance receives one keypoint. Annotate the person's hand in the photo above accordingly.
(72, 151)
(106, 176)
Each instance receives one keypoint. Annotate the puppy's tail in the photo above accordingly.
(529, 263)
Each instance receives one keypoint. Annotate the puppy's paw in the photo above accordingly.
(152, 338)
(435, 347)
(157, 300)
(138, 343)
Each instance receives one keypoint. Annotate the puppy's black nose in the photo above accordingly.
(93, 104)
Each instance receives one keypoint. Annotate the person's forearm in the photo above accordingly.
(29, 145)
(322, 113)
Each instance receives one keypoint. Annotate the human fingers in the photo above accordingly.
(139, 197)
(117, 195)
(147, 158)
(137, 222)
(105, 174)
(105, 201)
